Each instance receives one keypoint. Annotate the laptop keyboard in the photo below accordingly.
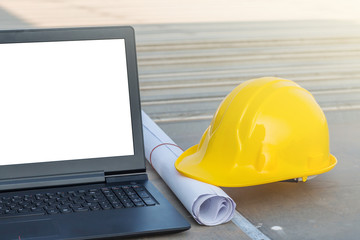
(84, 200)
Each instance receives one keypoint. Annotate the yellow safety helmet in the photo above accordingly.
(266, 130)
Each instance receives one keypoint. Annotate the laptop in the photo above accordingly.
(72, 160)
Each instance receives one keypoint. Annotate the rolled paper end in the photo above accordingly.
(212, 210)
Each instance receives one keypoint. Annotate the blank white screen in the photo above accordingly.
(64, 100)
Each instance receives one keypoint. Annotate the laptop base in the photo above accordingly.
(132, 221)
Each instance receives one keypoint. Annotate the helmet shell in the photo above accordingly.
(266, 130)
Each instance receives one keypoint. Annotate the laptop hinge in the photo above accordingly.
(126, 178)
(50, 181)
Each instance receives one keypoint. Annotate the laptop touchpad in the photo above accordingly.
(28, 229)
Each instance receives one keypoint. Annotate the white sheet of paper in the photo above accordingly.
(208, 204)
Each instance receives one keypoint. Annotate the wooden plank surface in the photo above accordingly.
(186, 70)
(183, 67)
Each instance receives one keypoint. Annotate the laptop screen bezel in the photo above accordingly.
(109, 165)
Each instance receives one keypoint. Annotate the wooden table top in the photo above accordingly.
(187, 69)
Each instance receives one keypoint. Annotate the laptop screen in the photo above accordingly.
(64, 100)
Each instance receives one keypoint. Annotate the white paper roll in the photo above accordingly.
(208, 204)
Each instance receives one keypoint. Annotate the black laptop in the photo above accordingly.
(72, 161)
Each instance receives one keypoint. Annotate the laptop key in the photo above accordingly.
(89, 204)
(66, 202)
(135, 200)
(139, 204)
(106, 206)
(75, 205)
(81, 209)
(79, 201)
(94, 200)
(41, 204)
(143, 194)
(40, 196)
(39, 210)
(52, 211)
(27, 205)
(103, 202)
(95, 208)
(138, 188)
(149, 201)
(65, 210)
(125, 199)
(128, 204)
(117, 205)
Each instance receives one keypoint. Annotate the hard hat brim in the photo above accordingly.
(190, 165)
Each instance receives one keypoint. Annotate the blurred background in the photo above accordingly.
(192, 53)
(59, 13)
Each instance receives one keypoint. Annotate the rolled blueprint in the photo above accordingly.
(209, 205)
